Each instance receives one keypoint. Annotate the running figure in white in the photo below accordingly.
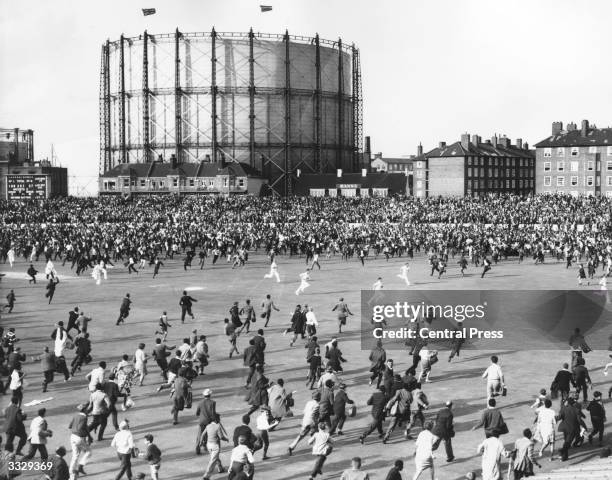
(378, 285)
(96, 274)
(404, 273)
(304, 277)
(273, 272)
(50, 271)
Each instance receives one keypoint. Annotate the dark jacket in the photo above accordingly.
(112, 392)
(78, 425)
(563, 379)
(335, 359)
(207, 411)
(377, 357)
(570, 420)
(13, 419)
(247, 432)
(59, 469)
(394, 474)
(598, 413)
(581, 375)
(47, 362)
(326, 404)
(443, 427)
(403, 399)
(340, 401)
(378, 401)
(298, 322)
(250, 356)
(492, 421)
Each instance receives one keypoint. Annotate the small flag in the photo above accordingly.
(266, 8)
(148, 11)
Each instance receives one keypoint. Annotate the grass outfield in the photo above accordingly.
(216, 288)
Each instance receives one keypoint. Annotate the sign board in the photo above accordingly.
(23, 187)
(348, 185)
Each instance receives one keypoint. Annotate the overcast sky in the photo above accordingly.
(432, 69)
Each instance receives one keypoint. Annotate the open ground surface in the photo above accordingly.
(216, 288)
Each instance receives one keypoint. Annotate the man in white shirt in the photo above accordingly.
(38, 437)
(423, 459)
(241, 457)
(311, 323)
(123, 443)
(495, 378)
(546, 426)
(96, 376)
(140, 362)
(308, 421)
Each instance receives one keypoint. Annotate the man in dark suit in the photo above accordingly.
(186, 302)
(113, 393)
(569, 426)
(124, 309)
(563, 380)
(249, 356)
(59, 469)
(492, 421)
(207, 412)
(244, 431)
(14, 426)
(334, 357)
(378, 401)
(341, 399)
(582, 378)
(260, 346)
(444, 430)
(326, 404)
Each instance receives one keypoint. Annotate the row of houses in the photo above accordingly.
(575, 161)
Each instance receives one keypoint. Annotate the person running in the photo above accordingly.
(124, 309)
(273, 272)
(321, 448)
(158, 263)
(267, 306)
(546, 423)
(463, 264)
(32, 274)
(51, 286)
(495, 378)
(403, 275)
(423, 457)
(230, 331)
(304, 277)
(186, 302)
(10, 301)
(164, 325)
(343, 312)
(486, 263)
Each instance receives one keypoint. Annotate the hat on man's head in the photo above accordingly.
(81, 407)
(207, 392)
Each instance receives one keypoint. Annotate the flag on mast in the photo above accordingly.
(148, 11)
(266, 8)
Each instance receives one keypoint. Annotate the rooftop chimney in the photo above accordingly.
(526, 146)
(519, 143)
(173, 161)
(504, 141)
(571, 127)
(557, 128)
(585, 128)
(494, 140)
(441, 144)
(465, 141)
(476, 140)
(368, 148)
(420, 150)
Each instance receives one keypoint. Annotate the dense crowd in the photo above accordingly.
(118, 228)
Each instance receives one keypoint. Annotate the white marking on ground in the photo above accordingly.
(191, 289)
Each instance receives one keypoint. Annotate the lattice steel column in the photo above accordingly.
(251, 100)
(177, 97)
(105, 146)
(145, 99)
(213, 92)
(357, 110)
(340, 150)
(122, 119)
(288, 191)
(319, 167)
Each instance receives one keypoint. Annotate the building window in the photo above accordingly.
(609, 166)
(241, 182)
(419, 164)
(592, 149)
(561, 166)
(560, 152)
(573, 166)
(547, 152)
(175, 182)
(126, 182)
(560, 181)
(317, 192)
(161, 184)
(210, 183)
(590, 165)
(547, 181)
(225, 182)
(575, 151)
(547, 166)
(419, 173)
(609, 150)
(143, 182)
(609, 181)
(589, 181)
(573, 181)
(192, 182)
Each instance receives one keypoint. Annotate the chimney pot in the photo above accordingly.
(519, 143)
(557, 128)
(420, 150)
(442, 144)
(465, 141)
(585, 128)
